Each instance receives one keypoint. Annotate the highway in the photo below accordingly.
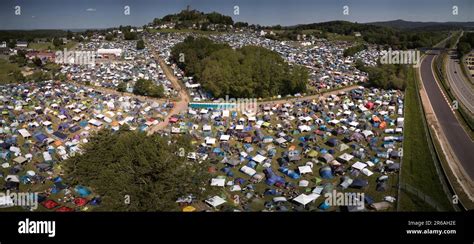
(463, 90)
(461, 143)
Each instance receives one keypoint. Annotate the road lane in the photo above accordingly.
(459, 140)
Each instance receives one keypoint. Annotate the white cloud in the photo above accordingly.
(91, 10)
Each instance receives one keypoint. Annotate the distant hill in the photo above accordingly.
(187, 18)
(428, 26)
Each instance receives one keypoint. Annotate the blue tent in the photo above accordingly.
(332, 142)
(83, 123)
(40, 137)
(95, 201)
(60, 135)
(82, 191)
(326, 172)
(323, 206)
(252, 164)
(239, 181)
(74, 128)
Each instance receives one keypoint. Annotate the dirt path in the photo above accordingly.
(179, 106)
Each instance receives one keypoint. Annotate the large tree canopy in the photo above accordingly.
(146, 168)
(250, 71)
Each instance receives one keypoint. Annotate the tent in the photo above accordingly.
(332, 142)
(381, 186)
(378, 206)
(217, 182)
(189, 209)
(312, 154)
(359, 183)
(49, 204)
(342, 147)
(326, 172)
(305, 169)
(80, 201)
(215, 201)
(64, 209)
(82, 191)
(304, 199)
(327, 158)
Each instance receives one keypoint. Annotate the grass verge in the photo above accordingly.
(418, 168)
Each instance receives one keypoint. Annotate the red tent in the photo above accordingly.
(173, 120)
(80, 201)
(64, 209)
(212, 169)
(49, 204)
(369, 105)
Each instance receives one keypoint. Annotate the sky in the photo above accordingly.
(83, 14)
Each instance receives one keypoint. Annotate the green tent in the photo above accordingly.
(312, 154)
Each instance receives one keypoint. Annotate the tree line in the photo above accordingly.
(465, 44)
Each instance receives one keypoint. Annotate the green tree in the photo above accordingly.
(146, 168)
(109, 37)
(57, 42)
(128, 35)
(148, 88)
(463, 48)
(140, 44)
(122, 87)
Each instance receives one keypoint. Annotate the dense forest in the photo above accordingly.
(385, 76)
(146, 168)
(246, 72)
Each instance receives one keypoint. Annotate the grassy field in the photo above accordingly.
(6, 70)
(418, 168)
(348, 38)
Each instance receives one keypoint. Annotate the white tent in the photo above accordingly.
(259, 158)
(225, 137)
(359, 165)
(247, 170)
(210, 141)
(217, 182)
(346, 157)
(305, 199)
(215, 201)
(305, 169)
(24, 133)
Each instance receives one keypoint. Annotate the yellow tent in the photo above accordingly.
(189, 209)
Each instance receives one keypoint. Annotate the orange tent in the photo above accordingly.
(114, 123)
(57, 143)
(383, 125)
(375, 119)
